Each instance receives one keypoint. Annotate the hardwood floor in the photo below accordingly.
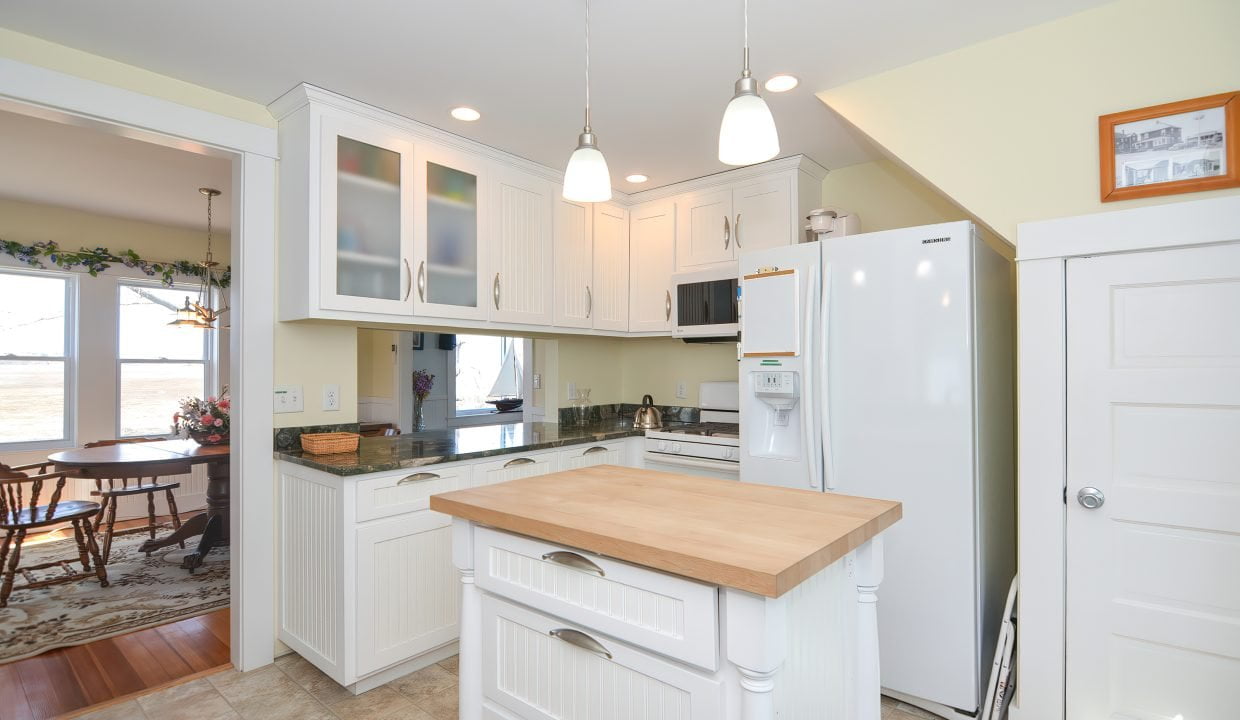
(68, 679)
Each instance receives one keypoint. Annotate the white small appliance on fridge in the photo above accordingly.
(881, 365)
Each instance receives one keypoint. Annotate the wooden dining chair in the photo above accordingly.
(110, 489)
(21, 511)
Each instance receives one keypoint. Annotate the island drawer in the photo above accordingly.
(539, 667)
(407, 491)
(665, 613)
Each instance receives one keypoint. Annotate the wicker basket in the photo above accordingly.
(329, 443)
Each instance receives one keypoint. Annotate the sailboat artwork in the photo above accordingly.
(505, 394)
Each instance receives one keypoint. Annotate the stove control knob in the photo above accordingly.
(727, 453)
(675, 447)
(662, 446)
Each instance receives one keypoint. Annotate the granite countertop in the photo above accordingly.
(380, 454)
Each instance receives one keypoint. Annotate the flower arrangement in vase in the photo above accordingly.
(422, 384)
(206, 421)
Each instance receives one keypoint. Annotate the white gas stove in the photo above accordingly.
(711, 447)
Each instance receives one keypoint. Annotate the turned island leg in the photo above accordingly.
(757, 645)
(869, 577)
(469, 677)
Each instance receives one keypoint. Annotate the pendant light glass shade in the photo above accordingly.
(587, 179)
(747, 134)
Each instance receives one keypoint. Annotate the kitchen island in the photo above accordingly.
(618, 592)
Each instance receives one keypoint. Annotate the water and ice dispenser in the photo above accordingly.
(777, 427)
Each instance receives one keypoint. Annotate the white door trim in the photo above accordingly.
(37, 91)
(1042, 250)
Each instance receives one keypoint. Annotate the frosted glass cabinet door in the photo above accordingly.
(367, 219)
(448, 279)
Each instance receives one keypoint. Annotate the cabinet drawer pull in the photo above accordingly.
(595, 449)
(408, 279)
(574, 561)
(667, 307)
(581, 640)
(422, 281)
(737, 229)
(495, 291)
(417, 477)
(727, 232)
(519, 461)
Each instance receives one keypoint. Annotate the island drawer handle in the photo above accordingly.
(574, 561)
(595, 449)
(416, 477)
(581, 640)
(519, 461)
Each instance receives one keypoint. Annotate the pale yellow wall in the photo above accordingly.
(312, 355)
(589, 362)
(1008, 127)
(884, 196)
(376, 363)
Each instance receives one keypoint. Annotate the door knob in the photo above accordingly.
(1090, 498)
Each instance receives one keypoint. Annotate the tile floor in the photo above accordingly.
(293, 689)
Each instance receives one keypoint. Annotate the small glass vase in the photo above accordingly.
(419, 415)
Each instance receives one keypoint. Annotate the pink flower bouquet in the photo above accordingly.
(206, 421)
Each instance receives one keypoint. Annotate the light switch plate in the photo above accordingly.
(538, 381)
(682, 389)
(288, 398)
(331, 397)
(572, 390)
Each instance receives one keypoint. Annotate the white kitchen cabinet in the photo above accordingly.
(451, 279)
(610, 309)
(579, 456)
(574, 263)
(763, 214)
(652, 242)
(513, 467)
(521, 286)
(704, 235)
(407, 589)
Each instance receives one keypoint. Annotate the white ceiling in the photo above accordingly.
(662, 69)
(87, 169)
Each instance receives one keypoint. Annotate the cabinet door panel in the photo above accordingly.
(513, 467)
(611, 267)
(588, 455)
(704, 236)
(367, 219)
(450, 277)
(652, 242)
(519, 286)
(574, 263)
(407, 589)
(764, 215)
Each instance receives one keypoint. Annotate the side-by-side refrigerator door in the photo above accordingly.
(778, 385)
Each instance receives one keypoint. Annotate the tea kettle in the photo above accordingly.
(648, 416)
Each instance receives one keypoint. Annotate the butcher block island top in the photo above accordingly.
(761, 539)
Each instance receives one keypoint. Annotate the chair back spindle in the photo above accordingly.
(15, 508)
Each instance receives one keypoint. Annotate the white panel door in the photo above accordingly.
(1153, 574)
(764, 213)
(610, 302)
(407, 589)
(704, 235)
(652, 247)
(574, 263)
(520, 285)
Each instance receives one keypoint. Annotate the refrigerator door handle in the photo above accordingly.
(824, 367)
(813, 304)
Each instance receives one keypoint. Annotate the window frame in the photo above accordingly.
(69, 360)
(487, 416)
(210, 377)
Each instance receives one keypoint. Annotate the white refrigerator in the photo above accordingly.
(881, 365)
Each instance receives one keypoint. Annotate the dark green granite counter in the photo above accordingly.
(379, 454)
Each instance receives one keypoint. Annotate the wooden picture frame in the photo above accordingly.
(1196, 148)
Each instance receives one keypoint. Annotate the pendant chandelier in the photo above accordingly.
(747, 134)
(203, 313)
(586, 179)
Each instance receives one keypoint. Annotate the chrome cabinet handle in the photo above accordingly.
(574, 561)
(727, 232)
(1090, 498)
(518, 461)
(422, 281)
(417, 477)
(737, 230)
(581, 640)
(667, 307)
(495, 291)
(595, 449)
(408, 279)
(589, 302)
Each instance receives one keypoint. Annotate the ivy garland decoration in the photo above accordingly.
(100, 259)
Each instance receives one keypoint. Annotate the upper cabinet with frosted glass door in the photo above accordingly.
(450, 277)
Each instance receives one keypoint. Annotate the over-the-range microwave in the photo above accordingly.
(704, 305)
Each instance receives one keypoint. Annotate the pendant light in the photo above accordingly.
(586, 179)
(203, 313)
(747, 134)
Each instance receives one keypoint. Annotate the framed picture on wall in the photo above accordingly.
(419, 340)
(1179, 147)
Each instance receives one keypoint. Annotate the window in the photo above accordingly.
(157, 364)
(35, 345)
(486, 367)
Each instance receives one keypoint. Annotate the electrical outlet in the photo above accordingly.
(572, 390)
(682, 389)
(331, 397)
(288, 398)
(538, 381)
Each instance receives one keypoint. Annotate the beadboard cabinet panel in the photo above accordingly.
(652, 244)
(574, 263)
(704, 237)
(521, 250)
(611, 267)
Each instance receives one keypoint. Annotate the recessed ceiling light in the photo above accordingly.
(781, 83)
(466, 114)
(637, 178)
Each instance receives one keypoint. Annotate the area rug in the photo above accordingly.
(143, 592)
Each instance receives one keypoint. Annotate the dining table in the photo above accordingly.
(130, 459)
